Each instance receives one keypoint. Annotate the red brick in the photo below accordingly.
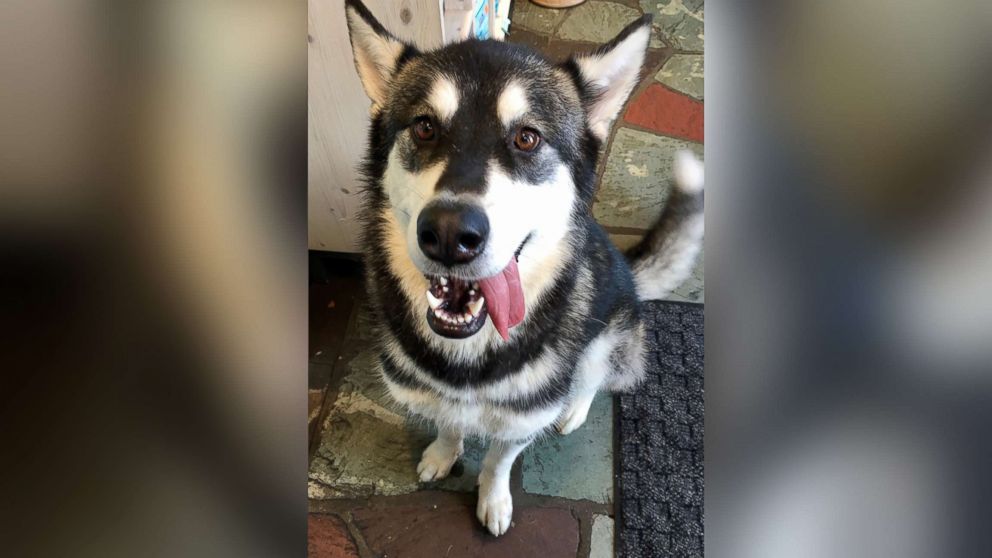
(453, 531)
(666, 112)
(328, 537)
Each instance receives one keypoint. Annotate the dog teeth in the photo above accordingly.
(476, 305)
(433, 301)
(471, 292)
(461, 319)
(444, 281)
(445, 289)
(467, 317)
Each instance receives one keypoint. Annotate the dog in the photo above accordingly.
(501, 306)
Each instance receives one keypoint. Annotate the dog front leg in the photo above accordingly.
(495, 507)
(438, 458)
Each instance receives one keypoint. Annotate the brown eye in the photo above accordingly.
(423, 129)
(527, 139)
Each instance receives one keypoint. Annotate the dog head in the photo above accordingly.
(486, 152)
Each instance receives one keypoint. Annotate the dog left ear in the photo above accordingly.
(610, 73)
(376, 51)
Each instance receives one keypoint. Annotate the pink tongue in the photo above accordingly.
(504, 298)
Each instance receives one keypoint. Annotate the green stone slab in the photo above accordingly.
(535, 18)
(578, 466)
(680, 22)
(637, 178)
(370, 447)
(598, 22)
(683, 72)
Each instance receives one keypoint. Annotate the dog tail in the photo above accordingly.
(666, 255)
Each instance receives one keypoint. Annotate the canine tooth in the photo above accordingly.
(444, 280)
(432, 301)
(476, 305)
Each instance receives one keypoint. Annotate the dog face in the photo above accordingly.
(486, 148)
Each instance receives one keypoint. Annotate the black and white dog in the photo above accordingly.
(502, 307)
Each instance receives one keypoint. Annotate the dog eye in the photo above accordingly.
(527, 139)
(423, 129)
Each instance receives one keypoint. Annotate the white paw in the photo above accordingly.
(495, 508)
(573, 418)
(437, 460)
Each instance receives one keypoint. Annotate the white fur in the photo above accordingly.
(443, 98)
(475, 417)
(614, 73)
(441, 455)
(688, 171)
(375, 57)
(495, 507)
(657, 277)
(512, 104)
(590, 374)
(514, 208)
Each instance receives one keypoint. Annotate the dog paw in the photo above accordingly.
(437, 460)
(495, 507)
(573, 418)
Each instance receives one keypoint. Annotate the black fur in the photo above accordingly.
(481, 70)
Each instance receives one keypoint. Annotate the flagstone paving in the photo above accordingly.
(365, 497)
(549, 465)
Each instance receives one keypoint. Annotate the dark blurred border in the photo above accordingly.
(153, 277)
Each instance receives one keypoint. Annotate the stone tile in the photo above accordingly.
(598, 22)
(328, 537)
(666, 112)
(535, 18)
(443, 530)
(683, 72)
(360, 326)
(637, 178)
(602, 537)
(626, 241)
(368, 446)
(578, 466)
(680, 22)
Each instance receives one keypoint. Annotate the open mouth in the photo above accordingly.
(455, 307)
(458, 308)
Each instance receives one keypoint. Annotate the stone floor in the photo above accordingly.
(365, 499)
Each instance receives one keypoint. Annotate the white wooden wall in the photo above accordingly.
(338, 111)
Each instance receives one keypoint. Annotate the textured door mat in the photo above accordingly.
(660, 458)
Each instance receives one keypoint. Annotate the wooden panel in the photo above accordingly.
(338, 111)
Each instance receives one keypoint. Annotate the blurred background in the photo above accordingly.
(153, 270)
(849, 225)
(153, 217)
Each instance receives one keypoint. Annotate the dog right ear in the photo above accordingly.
(376, 51)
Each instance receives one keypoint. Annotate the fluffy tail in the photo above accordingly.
(666, 255)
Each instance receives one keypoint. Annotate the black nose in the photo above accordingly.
(452, 233)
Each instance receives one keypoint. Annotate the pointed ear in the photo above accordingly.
(376, 51)
(609, 74)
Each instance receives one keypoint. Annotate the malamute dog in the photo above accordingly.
(501, 305)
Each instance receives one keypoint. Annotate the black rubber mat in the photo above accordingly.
(660, 462)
